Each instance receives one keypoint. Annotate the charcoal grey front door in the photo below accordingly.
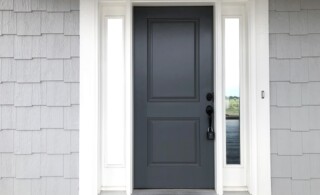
(173, 73)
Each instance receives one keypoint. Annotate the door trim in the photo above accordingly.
(90, 94)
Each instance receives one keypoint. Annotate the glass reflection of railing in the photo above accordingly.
(232, 117)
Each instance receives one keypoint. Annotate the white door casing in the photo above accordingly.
(93, 15)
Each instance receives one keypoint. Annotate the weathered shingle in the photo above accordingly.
(310, 45)
(280, 118)
(298, 23)
(314, 69)
(74, 188)
(311, 144)
(36, 142)
(39, 44)
(51, 117)
(28, 71)
(58, 5)
(23, 95)
(36, 94)
(71, 23)
(289, 143)
(71, 165)
(28, 166)
(51, 70)
(71, 117)
(23, 47)
(0, 22)
(58, 141)
(288, 46)
(74, 87)
(38, 186)
(300, 187)
(43, 93)
(279, 22)
(288, 94)
(22, 187)
(75, 5)
(7, 93)
(272, 5)
(313, 21)
(28, 118)
(314, 186)
(301, 167)
(310, 4)
(7, 165)
(58, 46)
(8, 117)
(8, 70)
(74, 141)
(57, 186)
(280, 166)
(9, 20)
(51, 22)
(288, 5)
(6, 4)
(75, 46)
(39, 5)
(273, 45)
(279, 70)
(71, 70)
(281, 186)
(22, 142)
(58, 94)
(274, 142)
(273, 93)
(299, 70)
(22, 5)
(7, 186)
(299, 119)
(51, 165)
(6, 46)
(314, 165)
(28, 23)
(311, 93)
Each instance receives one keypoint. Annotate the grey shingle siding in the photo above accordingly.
(39, 97)
(295, 92)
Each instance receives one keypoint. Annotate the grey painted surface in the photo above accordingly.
(172, 76)
(173, 192)
(39, 97)
(295, 96)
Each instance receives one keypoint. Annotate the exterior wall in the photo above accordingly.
(295, 96)
(39, 97)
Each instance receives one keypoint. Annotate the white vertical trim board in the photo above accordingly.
(89, 99)
(117, 174)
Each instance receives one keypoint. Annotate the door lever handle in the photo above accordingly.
(209, 110)
(210, 132)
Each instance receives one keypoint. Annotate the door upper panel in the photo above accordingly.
(173, 46)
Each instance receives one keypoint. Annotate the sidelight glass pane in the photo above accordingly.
(115, 91)
(232, 88)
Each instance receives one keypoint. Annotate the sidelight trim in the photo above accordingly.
(90, 89)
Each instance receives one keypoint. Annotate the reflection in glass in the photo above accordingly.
(232, 88)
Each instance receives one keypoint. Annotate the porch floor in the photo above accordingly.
(173, 192)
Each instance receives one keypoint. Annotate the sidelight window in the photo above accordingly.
(232, 89)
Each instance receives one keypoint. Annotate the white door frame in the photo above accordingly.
(259, 123)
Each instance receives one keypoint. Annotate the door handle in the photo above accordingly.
(210, 131)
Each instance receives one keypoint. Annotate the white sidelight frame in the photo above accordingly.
(91, 94)
(235, 176)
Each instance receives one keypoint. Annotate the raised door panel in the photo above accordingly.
(173, 60)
